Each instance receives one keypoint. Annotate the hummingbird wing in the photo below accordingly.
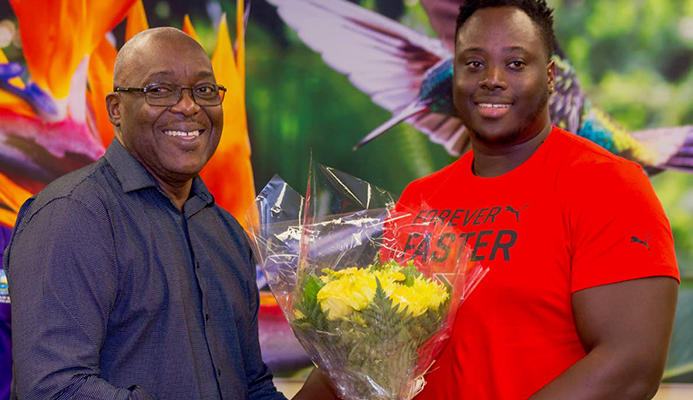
(672, 147)
(567, 103)
(381, 57)
(655, 149)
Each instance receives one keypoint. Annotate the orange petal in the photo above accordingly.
(240, 40)
(11, 198)
(57, 34)
(189, 29)
(100, 75)
(137, 20)
(224, 62)
(229, 174)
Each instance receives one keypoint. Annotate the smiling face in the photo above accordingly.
(172, 143)
(501, 77)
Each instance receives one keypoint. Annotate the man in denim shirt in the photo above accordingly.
(127, 280)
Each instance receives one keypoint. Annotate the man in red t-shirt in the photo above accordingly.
(580, 298)
(565, 235)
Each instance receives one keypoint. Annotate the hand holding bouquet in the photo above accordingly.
(357, 280)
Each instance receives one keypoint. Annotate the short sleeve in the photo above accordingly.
(619, 231)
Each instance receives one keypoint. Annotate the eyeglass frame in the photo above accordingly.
(145, 90)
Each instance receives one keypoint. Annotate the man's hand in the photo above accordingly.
(316, 387)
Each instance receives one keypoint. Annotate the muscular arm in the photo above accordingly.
(63, 283)
(626, 329)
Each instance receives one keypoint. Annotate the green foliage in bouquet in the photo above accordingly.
(368, 324)
(308, 307)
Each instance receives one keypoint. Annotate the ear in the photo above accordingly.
(113, 107)
(551, 75)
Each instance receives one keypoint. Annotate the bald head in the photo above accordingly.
(143, 46)
(172, 140)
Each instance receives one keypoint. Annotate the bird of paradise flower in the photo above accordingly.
(53, 119)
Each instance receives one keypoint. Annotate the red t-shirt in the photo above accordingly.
(573, 216)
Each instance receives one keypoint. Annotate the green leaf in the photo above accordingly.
(411, 273)
(311, 288)
(309, 305)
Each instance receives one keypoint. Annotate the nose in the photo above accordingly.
(493, 79)
(186, 103)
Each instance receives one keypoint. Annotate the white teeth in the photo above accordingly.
(492, 105)
(181, 133)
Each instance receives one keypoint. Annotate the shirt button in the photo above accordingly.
(197, 265)
(206, 317)
(218, 372)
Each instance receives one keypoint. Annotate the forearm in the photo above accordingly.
(604, 374)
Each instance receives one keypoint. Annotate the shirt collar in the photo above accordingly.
(133, 176)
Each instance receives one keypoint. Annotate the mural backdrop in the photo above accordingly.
(322, 75)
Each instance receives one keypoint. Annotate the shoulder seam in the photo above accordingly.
(69, 195)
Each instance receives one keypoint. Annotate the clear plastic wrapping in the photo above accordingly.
(369, 289)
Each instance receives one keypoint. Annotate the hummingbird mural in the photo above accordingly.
(410, 74)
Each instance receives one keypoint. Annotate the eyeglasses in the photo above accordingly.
(163, 95)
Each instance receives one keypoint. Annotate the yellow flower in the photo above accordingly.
(391, 275)
(388, 281)
(341, 272)
(298, 314)
(334, 307)
(432, 292)
(406, 296)
(331, 275)
(353, 290)
(423, 295)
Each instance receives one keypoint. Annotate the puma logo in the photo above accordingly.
(516, 212)
(634, 239)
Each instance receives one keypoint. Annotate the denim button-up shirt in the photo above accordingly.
(116, 294)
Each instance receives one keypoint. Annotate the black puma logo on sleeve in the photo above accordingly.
(634, 239)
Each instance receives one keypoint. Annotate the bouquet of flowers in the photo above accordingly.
(361, 283)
